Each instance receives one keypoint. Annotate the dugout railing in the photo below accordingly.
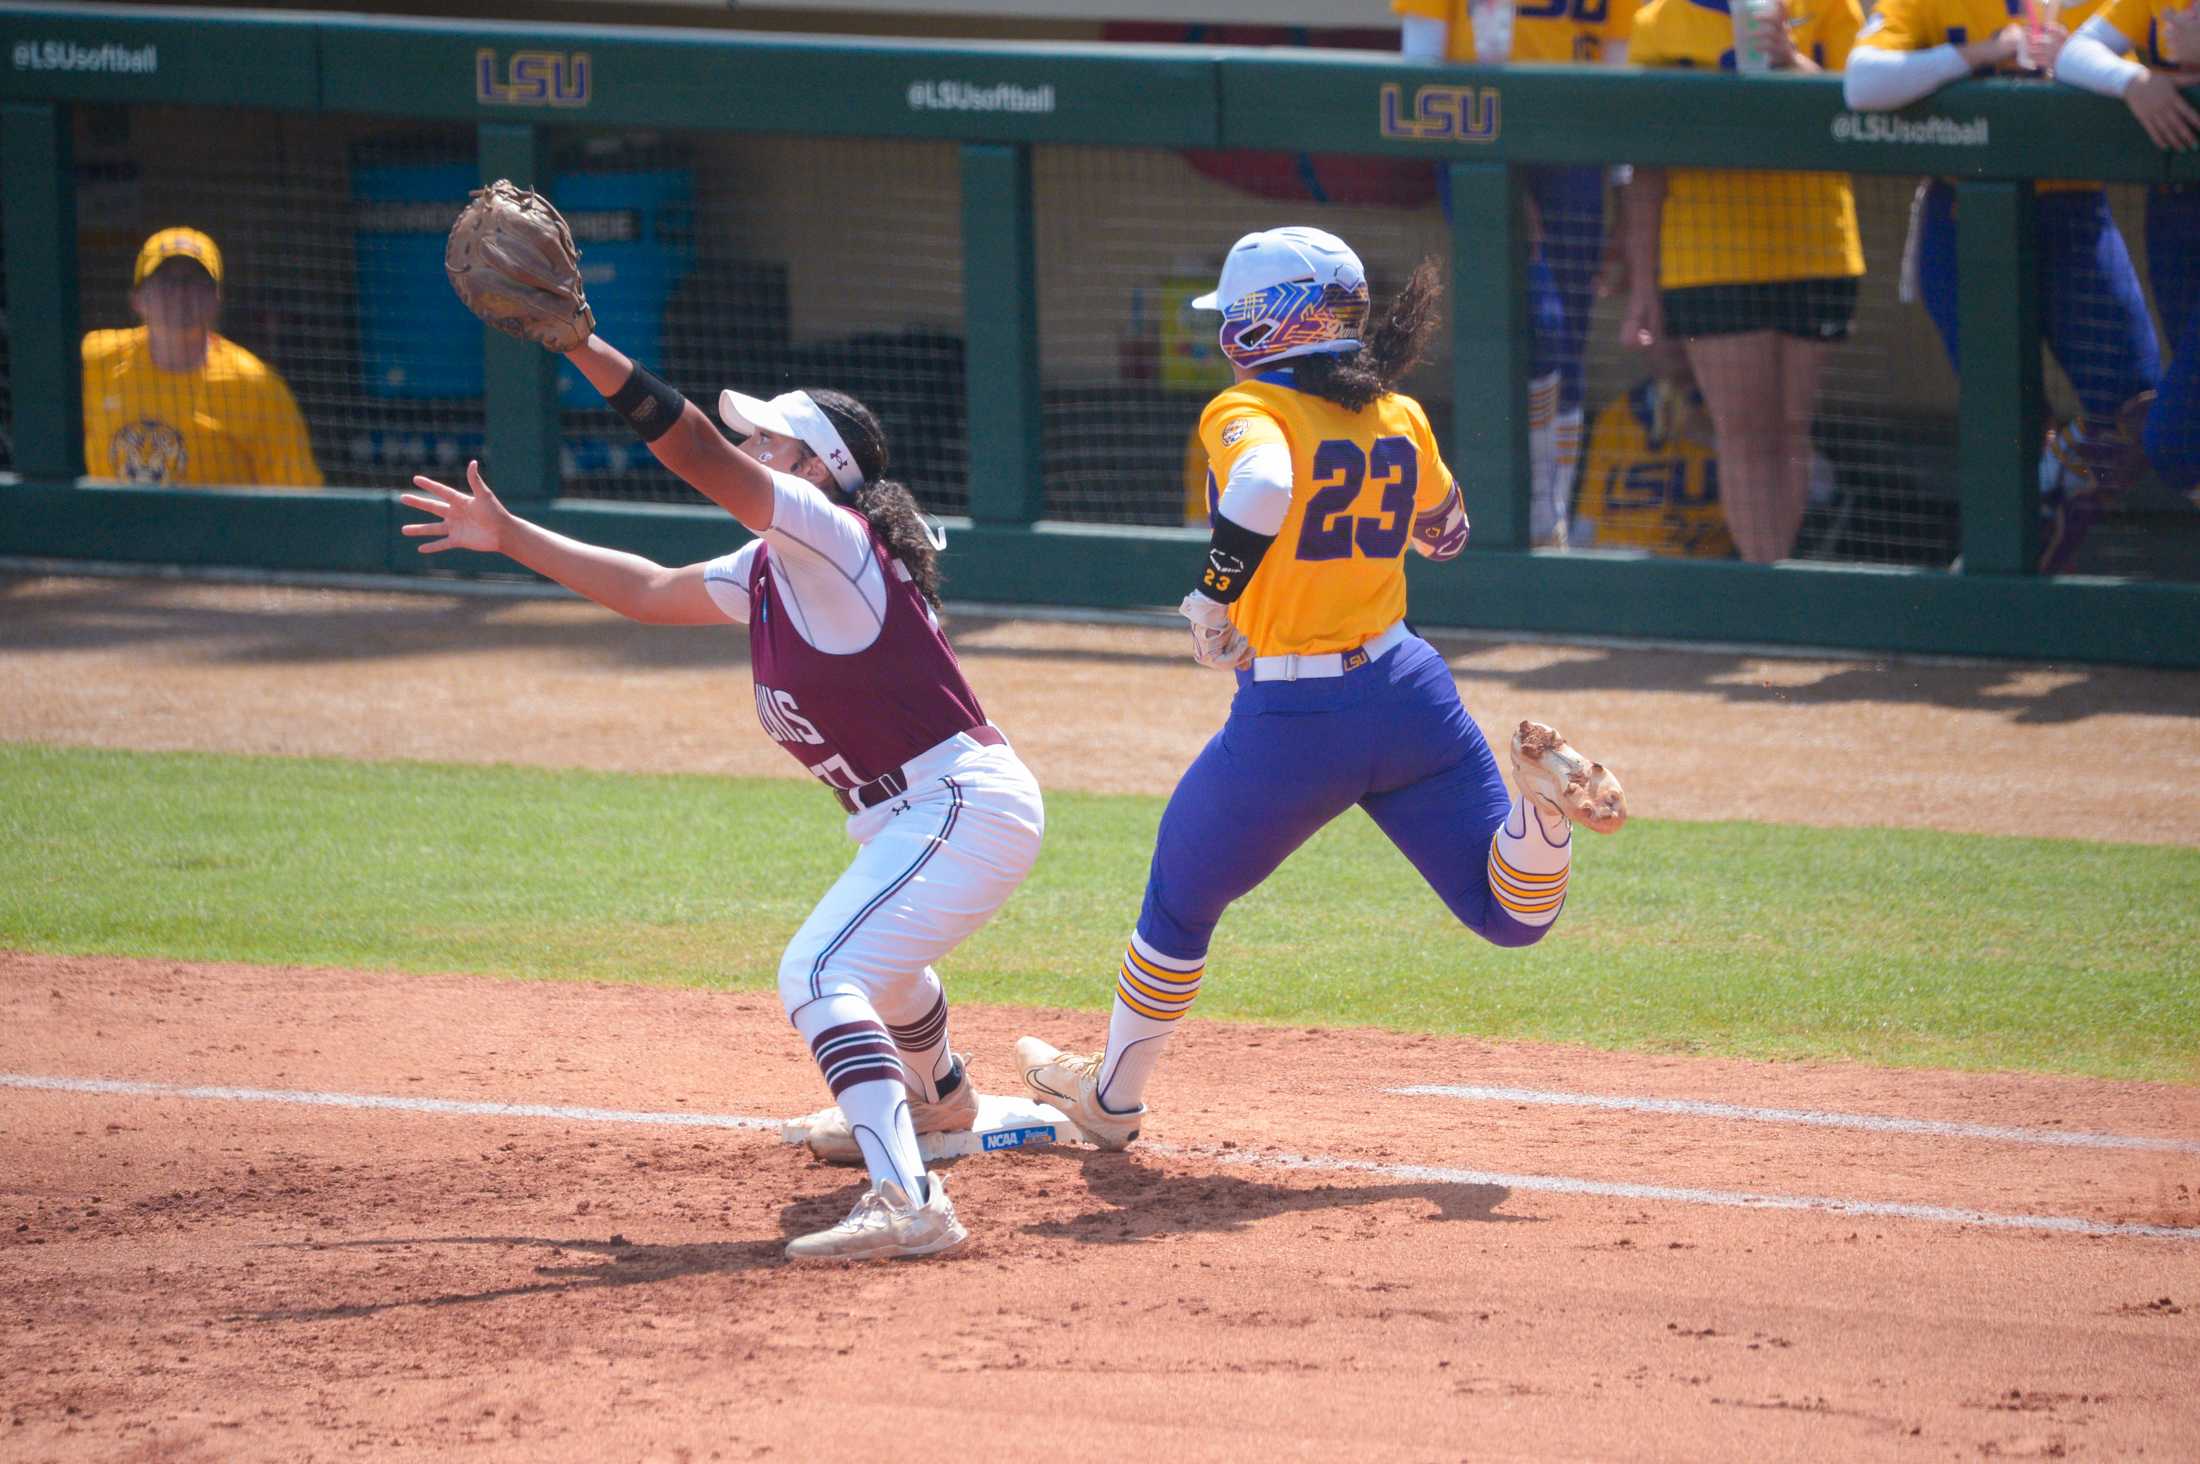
(514, 87)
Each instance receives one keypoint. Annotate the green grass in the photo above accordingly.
(1890, 946)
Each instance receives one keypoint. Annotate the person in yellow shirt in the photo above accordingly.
(1756, 272)
(2143, 51)
(2092, 309)
(174, 402)
(1328, 474)
(1566, 207)
(1651, 480)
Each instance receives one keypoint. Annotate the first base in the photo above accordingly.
(1003, 1123)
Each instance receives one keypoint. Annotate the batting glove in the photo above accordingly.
(1215, 641)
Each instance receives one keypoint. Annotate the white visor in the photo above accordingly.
(793, 414)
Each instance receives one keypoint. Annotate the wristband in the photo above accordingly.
(651, 407)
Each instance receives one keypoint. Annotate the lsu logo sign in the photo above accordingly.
(532, 79)
(1440, 113)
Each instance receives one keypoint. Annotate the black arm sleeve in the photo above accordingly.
(651, 407)
(1232, 556)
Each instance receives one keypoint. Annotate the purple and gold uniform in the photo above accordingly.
(2171, 432)
(2092, 309)
(1337, 577)
(1327, 477)
(1650, 483)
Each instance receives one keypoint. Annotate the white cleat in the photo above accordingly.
(827, 1136)
(886, 1225)
(1071, 1082)
(1564, 783)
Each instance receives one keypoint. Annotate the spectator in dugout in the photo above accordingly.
(2142, 51)
(2091, 306)
(1754, 271)
(1565, 208)
(174, 402)
(1650, 481)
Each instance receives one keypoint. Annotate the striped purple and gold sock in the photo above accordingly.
(1528, 868)
(1153, 991)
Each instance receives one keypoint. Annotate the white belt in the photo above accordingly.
(1329, 663)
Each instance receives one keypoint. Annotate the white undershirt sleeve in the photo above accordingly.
(821, 561)
(1258, 495)
(1422, 39)
(727, 580)
(1879, 81)
(2094, 60)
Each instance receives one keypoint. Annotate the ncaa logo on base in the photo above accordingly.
(532, 79)
(1440, 113)
(1016, 1138)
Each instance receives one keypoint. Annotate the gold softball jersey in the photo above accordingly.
(1546, 31)
(2134, 20)
(231, 423)
(1335, 576)
(1731, 226)
(1644, 488)
(1920, 25)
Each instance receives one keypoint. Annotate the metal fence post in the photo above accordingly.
(35, 169)
(1998, 411)
(1001, 335)
(520, 386)
(1489, 351)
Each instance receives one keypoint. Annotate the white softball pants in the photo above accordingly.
(933, 866)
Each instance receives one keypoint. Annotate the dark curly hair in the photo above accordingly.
(890, 508)
(1355, 379)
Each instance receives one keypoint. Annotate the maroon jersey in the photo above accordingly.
(850, 718)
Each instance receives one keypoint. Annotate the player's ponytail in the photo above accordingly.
(887, 506)
(1394, 346)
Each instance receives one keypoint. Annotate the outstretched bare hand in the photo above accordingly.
(462, 521)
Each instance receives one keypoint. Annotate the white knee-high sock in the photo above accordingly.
(1530, 856)
(922, 1039)
(1566, 435)
(1152, 993)
(1546, 509)
(857, 1056)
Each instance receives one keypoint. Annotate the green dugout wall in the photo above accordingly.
(512, 84)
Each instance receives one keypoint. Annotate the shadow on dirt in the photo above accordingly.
(569, 1264)
(1146, 1202)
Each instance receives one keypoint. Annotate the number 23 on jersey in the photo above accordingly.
(1331, 529)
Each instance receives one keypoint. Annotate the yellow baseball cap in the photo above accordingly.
(178, 243)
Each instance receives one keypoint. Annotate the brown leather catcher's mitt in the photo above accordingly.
(511, 259)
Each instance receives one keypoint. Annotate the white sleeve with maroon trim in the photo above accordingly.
(821, 558)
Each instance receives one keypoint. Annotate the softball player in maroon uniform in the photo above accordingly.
(853, 677)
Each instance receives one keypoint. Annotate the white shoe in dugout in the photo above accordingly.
(886, 1224)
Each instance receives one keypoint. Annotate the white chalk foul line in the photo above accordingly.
(373, 1100)
(1428, 1174)
(1872, 1122)
(1732, 1199)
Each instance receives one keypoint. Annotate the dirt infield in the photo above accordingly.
(1302, 1263)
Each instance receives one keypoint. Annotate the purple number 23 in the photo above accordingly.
(1341, 467)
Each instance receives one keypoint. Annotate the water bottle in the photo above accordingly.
(1493, 30)
(1749, 52)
